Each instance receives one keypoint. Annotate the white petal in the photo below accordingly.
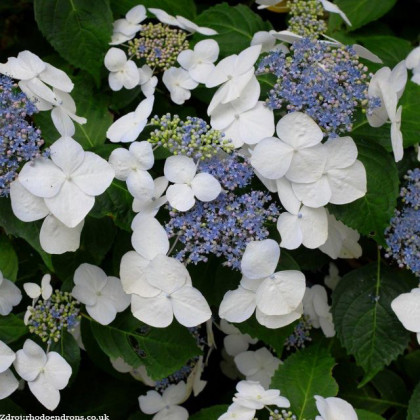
(46, 286)
(271, 158)
(57, 238)
(56, 78)
(180, 197)
(287, 196)
(167, 274)
(363, 52)
(8, 384)
(205, 187)
(89, 280)
(179, 169)
(260, 259)
(332, 8)
(115, 293)
(307, 164)
(143, 153)
(281, 293)
(265, 39)
(41, 177)
(290, 231)
(140, 184)
(155, 311)
(126, 129)
(7, 356)
(398, 78)
(237, 305)
(103, 311)
(256, 124)
(149, 237)
(62, 122)
(33, 290)
(67, 154)
(133, 278)
(115, 59)
(94, 175)
(277, 321)
(151, 403)
(45, 393)
(315, 194)
(137, 14)
(10, 295)
(189, 306)
(347, 184)
(407, 308)
(299, 130)
(342, 153)
(122, 161)
(71, 205)
(57, 371)
(314, 225)
(26, 206)
(30, 360)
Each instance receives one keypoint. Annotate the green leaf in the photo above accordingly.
(303, 375)
(370, 215)
(11, 328)
(68, 348)
(367, 415)
(161, 350)
(97, 237)
(365, 323)
(28, 231)
(184, 8)
(414, 404)
(8, 259)
(79, 30)
(410, 122)
(210, 412)
(235, 26)
(361, 12)
(389, 48)
(116, 203)
(273, 338)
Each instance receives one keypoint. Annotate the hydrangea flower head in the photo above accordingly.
(403, 234)
(20, 141)
(158, 45)
(326, 82)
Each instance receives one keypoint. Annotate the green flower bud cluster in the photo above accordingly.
(283, 415)
(159, 45)
(193, 137)
(49, 317)
(307, 18)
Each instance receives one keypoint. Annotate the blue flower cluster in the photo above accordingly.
(324, 81)
(20, 141)
(300, 335)
(231, 170)
(193, 137)
(49, 317)
(403, 235)
(222, 227)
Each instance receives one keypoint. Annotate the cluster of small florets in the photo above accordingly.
(222, 227)
(232, 171)
(176, 377)
(159, 45)
(20, 141)
(327, 83)
(403, 235)
(281, 415)
(193, 137)
(300, 336)
(307, 18)
(52, 316)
